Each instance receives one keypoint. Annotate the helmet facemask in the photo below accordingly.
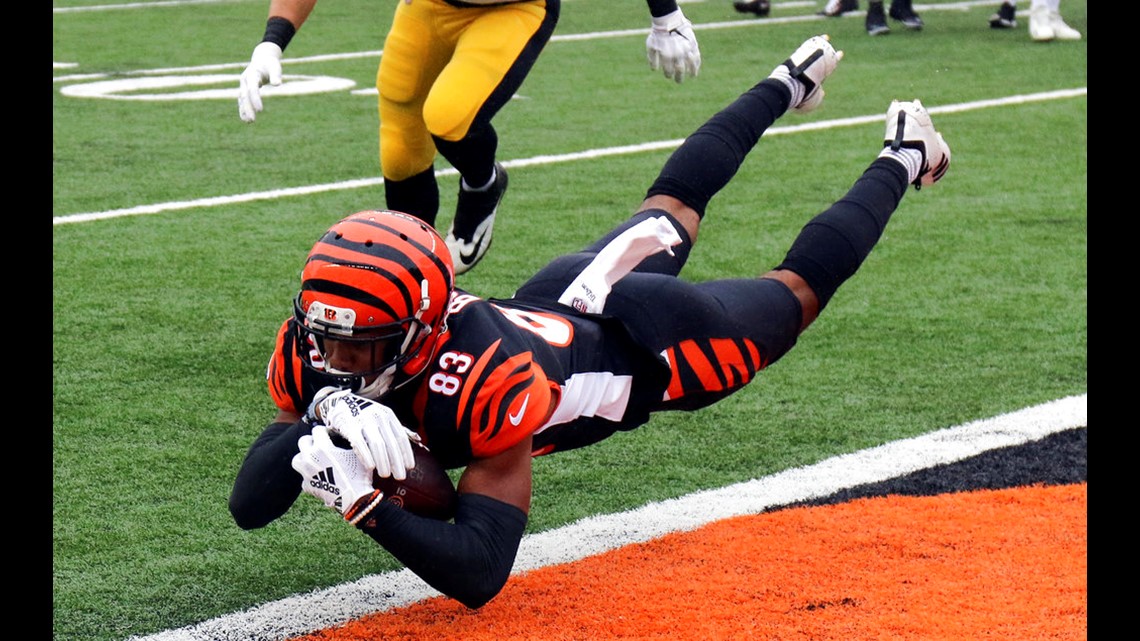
(379, 351)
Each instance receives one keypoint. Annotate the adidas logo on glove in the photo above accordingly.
(325, 481)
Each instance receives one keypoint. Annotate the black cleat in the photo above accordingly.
(1005, 18)
(876, 20)
(470, 233)
(904, 13)
(759, 7)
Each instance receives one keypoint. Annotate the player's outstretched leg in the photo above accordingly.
(832, 245)
(711, 155)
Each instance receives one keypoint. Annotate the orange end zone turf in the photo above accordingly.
(1007, 564)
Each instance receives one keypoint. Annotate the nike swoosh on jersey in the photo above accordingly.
(516, 418)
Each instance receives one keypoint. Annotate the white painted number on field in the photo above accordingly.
(225, 87)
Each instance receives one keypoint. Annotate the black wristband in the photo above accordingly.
(279, 31)
(658, 8)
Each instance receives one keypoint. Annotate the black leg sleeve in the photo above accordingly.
(418, 195)
(473, 156)
(711, 156)
(832, 246)
(469, 561)
(267, 485)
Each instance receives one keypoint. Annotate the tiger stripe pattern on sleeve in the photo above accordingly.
(716, 366)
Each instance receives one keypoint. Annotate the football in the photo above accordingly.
(427, 490)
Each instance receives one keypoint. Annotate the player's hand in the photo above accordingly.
(672, 47)
(380, 441)
(335, 475)
(264, 66)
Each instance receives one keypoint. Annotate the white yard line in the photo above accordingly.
(358, 183)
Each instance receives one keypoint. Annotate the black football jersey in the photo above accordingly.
(505, 370)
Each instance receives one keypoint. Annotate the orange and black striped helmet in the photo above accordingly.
(377, 284)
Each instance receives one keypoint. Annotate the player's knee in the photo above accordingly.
(687, 217)
(449, 122)
(400, 161)
(809, 301)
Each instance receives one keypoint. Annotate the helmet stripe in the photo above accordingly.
(378, 270)
(359, 295)
(388, 250)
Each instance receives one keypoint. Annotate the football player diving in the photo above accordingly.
(448, 66)
(382, 348)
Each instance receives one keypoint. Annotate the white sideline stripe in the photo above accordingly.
(544, 159)
(306, 613)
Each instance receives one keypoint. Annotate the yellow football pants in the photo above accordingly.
(443, 67)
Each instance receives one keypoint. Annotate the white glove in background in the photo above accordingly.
(264, 66)
(672, 46)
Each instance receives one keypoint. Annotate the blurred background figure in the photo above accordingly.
(1006, 16)
(1045, 22)
(759, 7)
(876, 20)
(836, 8)
(901, 10)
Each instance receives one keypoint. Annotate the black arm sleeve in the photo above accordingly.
(267, 485)
(469, 560)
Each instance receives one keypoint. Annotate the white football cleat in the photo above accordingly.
(1062, 31)
(1040, 27)
(909, 127)
(811, 64)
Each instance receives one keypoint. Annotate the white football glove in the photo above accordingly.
(380, 441)
(672, 46)
(264, 66)
(335, 476)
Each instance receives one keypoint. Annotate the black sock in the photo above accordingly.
(418, 195)
(473, 156)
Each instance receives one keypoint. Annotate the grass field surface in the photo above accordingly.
(179, 233)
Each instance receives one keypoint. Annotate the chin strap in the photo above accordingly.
(380, 386)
